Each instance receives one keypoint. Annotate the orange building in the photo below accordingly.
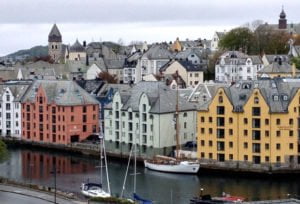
(58, 112)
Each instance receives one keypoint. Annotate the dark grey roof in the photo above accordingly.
(272, 58)
(77, 47)
(65, 93)
(54, 35)
(277, 68)
(291, 28)
(17, 90)
(91, 86)
(158, 51)
(114, 63)
(239, 58)
(271, 90)
(220, 34)
(162, 98)
(8, 74)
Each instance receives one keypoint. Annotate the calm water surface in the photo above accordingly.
(36, 167)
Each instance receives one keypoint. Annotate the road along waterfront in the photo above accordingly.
(35, 167)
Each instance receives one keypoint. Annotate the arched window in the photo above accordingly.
(52, 46)
(256, 100)
(55, 46)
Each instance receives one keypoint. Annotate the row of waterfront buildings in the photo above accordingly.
(249, 114)
(251, 121)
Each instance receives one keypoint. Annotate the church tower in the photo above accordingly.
(55, 44)
(282, 20)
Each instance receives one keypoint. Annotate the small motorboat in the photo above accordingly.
(207, 199)
(93, 190)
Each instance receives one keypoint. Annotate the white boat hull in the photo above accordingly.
(94, 192)
(181, 167)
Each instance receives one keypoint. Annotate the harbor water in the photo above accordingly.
(36, 167)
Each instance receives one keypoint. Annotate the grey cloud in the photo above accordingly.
(131, 11)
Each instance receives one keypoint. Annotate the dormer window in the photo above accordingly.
(285, 97)
(246, 86)
(275, 98)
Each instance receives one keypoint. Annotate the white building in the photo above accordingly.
(10, 108)
(93, 72)
(152, 60)
(216, 39)
(145, 115)
(233, 66)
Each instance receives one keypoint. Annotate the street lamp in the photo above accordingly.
(54, 172)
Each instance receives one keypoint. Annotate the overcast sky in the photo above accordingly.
(26, 23)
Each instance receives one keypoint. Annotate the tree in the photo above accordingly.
(270, 41)
(106, 76)
(238, 38)
(296, 60)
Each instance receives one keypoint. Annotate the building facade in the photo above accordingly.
(58, 112)
(145, 115)
(252, 122)
(233, 66)
(10, 108)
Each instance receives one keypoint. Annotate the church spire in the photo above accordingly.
(54, 35)
(282, 20)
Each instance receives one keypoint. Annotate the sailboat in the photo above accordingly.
(135, 196)
(93, 189)
(170, 164)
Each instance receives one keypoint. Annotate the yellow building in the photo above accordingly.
(176, 46)
(251, 121)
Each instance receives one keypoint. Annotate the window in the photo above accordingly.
(144, 117)
(245, 120)
(184, 125)
(230, 132)
(278, 146)
(84, 118)
(72, 109)
(245, 145)
(277, 121)
(202, 119)
(220, 121)
(266, 121)
(256, 111)
(220, 110)
(210, 131)
(245, 157)
(278, 159)
(72, 118)
(144, 107)
(210, 143)
(278, 133)
(256, 100)
(230, 120)
(202, 143)
(291, 133)
(230, 144)
(202, 130)
(184, 114)
(7, 106)
(267, 134)
(267, 146)
(220, 146)
(256, 148)
(210, 119)
(291, 122)
(256, 123)
(291, 146)
(267, 159)
(220, 99)
(245, 132)
(220, 133)
(130, 115)
(256, 135)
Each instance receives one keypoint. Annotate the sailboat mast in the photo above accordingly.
(177, 117)
(134, 178)
(101, 165)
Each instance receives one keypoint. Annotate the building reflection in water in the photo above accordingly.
(36, 165)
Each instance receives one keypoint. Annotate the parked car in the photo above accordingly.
(190, 144)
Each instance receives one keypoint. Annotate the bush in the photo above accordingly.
(3, 150)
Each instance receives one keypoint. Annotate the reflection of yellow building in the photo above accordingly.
(252, 121)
